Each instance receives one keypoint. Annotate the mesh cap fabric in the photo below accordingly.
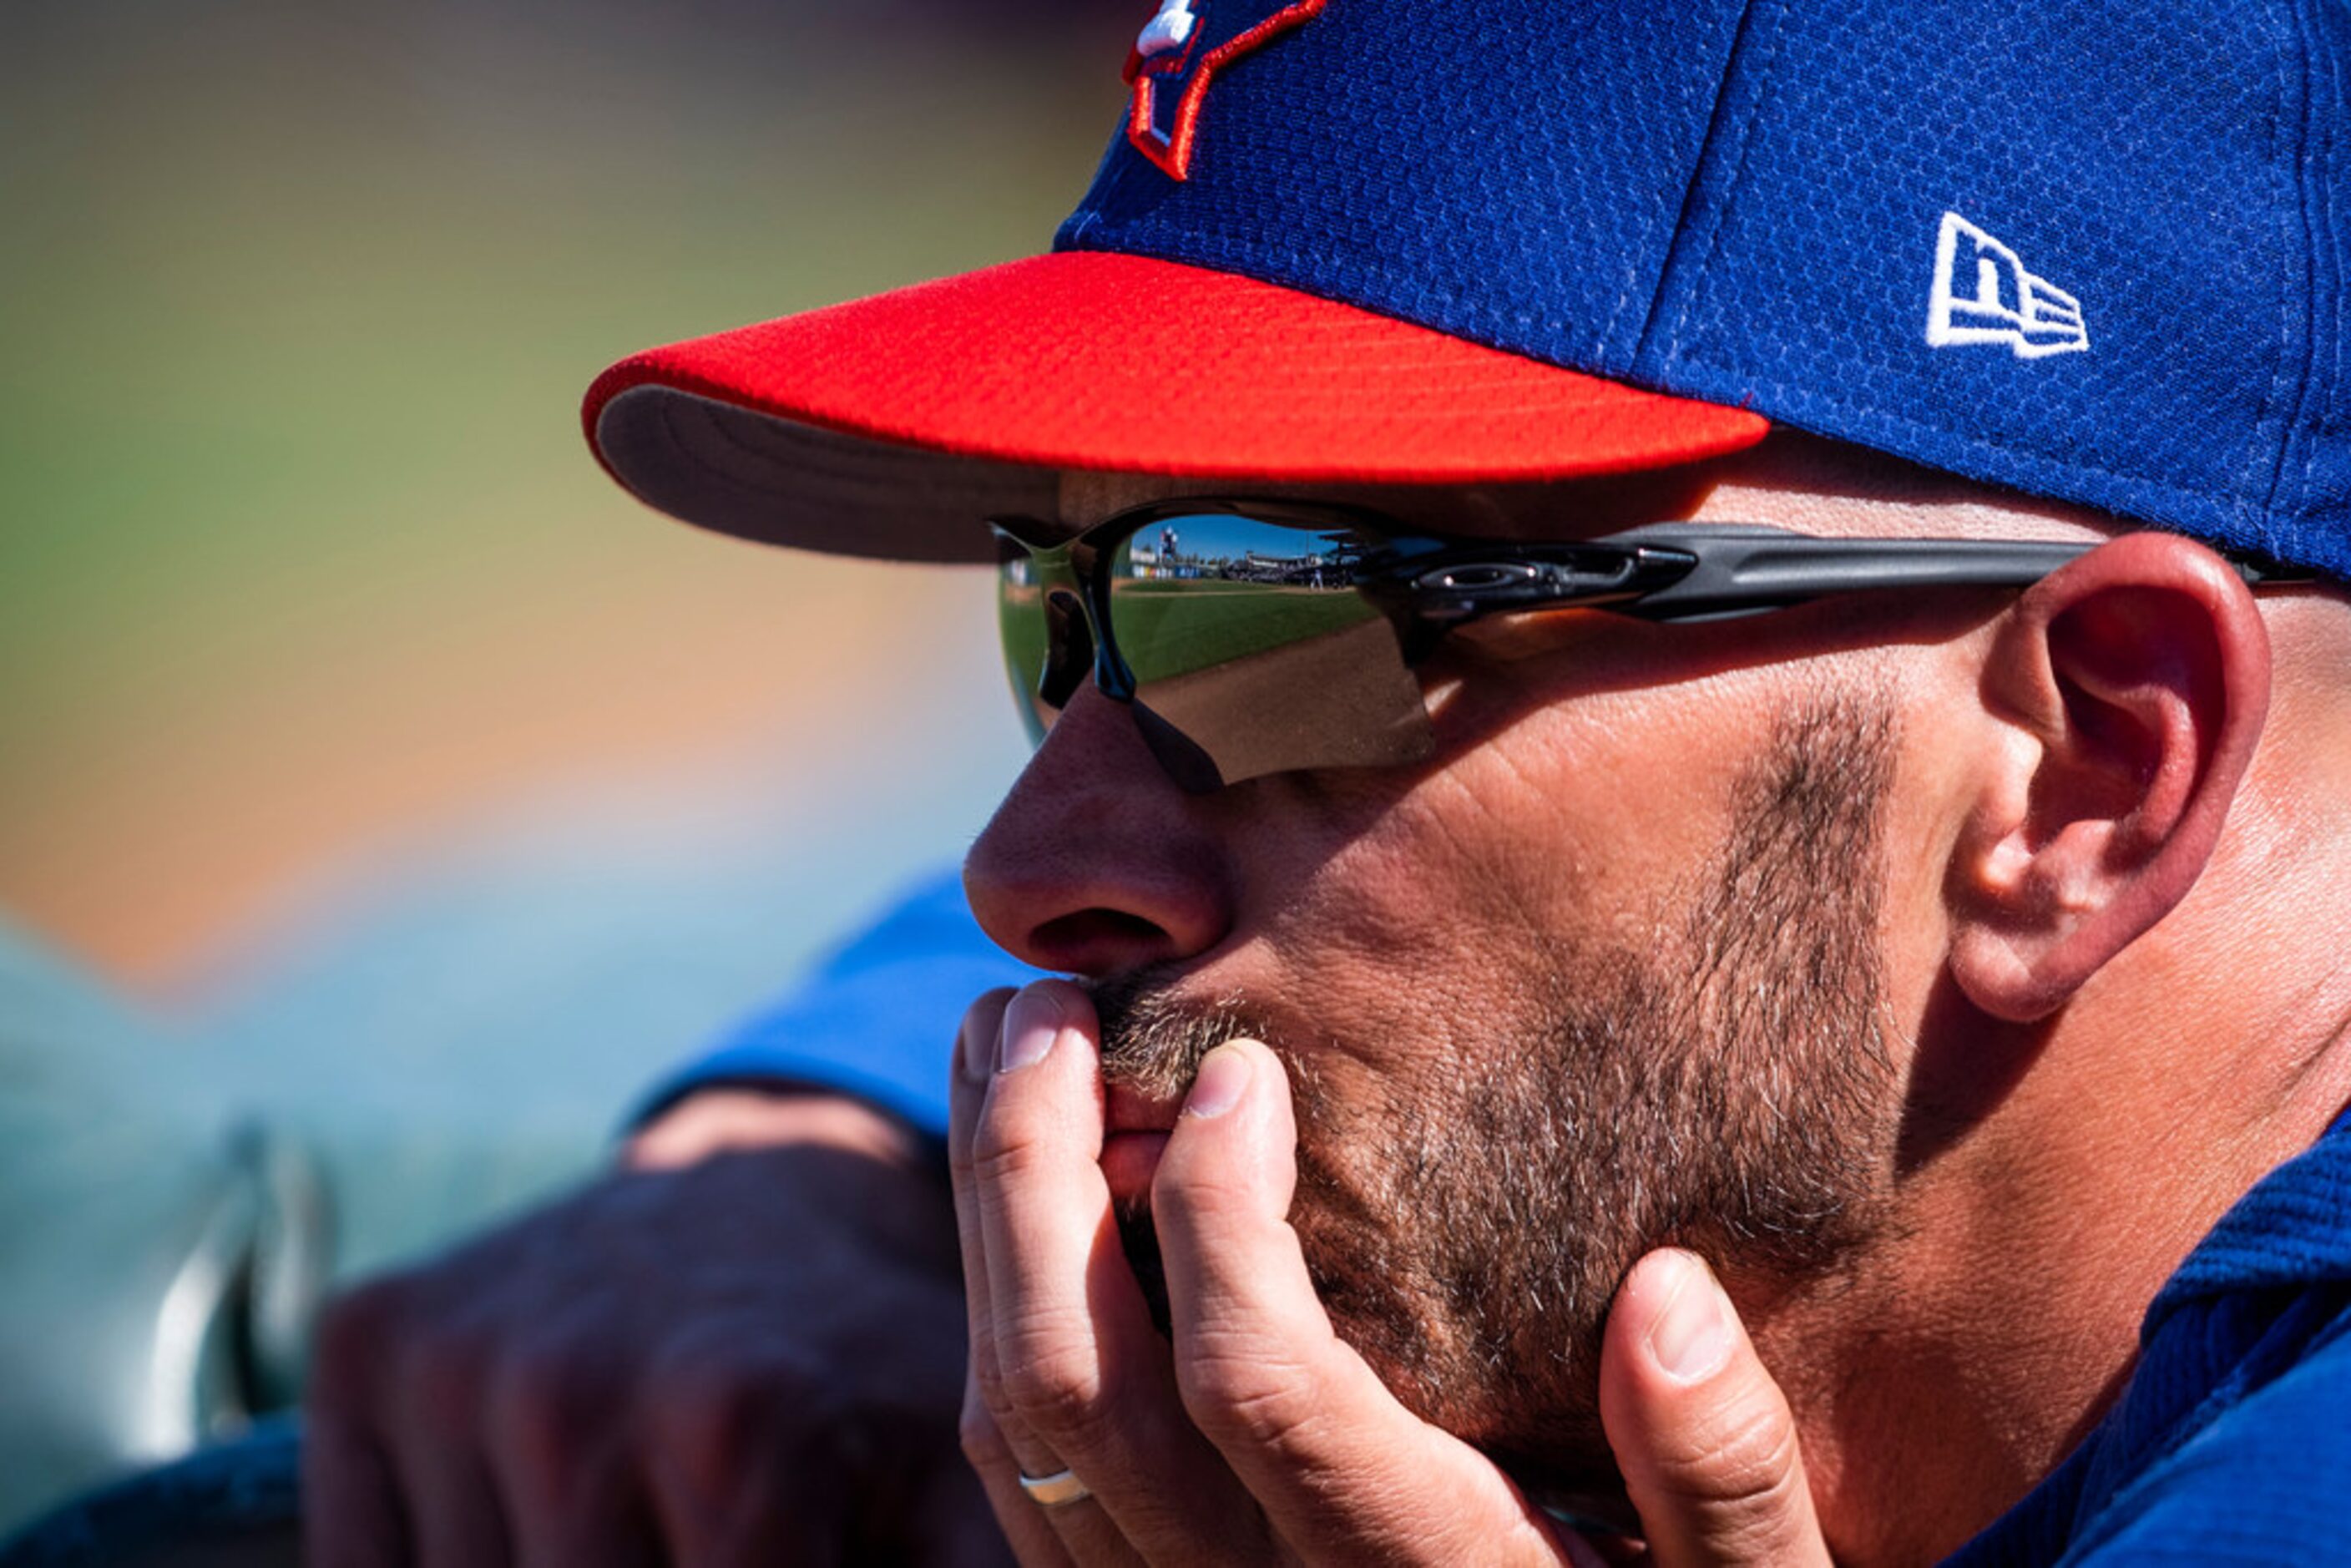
(935, 406)
(2088, 251)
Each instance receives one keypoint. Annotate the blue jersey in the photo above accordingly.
(2231, 1443)
(877, 1018)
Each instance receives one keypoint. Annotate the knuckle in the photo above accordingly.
(353, 1335)
(1752, 1525)
(1209, 1190)
(1047, 1372)
(981, 1439)
(707, 1432)
(720, 1415)
(541, 1405)
(1062, 1397)
(988, 1374)
(1002, 1153)
(537, 1373)
(690, 1399)
(1748, 1458)
(749, 1437)
(1244, 1394)
(445, 1376)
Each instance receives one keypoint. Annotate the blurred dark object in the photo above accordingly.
(163, 1252)
(233, 1505)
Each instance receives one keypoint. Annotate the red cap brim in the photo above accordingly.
(891, 425)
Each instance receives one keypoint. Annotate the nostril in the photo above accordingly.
(1096, 940)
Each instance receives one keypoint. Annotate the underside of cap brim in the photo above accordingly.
(892, 426)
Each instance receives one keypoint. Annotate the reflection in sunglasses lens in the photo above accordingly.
(1249, 648)
(1189, 595)
(1020, 627)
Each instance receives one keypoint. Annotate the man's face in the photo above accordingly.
(1606, 972)
(1481, 1160)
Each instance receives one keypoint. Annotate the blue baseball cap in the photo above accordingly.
(2085, 251)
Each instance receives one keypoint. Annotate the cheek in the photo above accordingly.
(1577, 827)
(1922, 823)
(1584, 818)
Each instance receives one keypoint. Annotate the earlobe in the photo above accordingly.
(2131, 687)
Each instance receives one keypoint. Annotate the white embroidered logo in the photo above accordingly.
(1167, 30)
(2007, 304)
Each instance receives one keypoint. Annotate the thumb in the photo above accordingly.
(1702, 1434)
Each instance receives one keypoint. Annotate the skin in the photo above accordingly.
(1468, 1243)
(743, 1346)
(448, 1423)
(2113, 898)
(1265, 1437)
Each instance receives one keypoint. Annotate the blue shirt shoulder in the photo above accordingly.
(876, 1018)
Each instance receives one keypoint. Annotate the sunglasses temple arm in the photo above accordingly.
(1736, 574)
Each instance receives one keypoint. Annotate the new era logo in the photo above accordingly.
(1983, 295)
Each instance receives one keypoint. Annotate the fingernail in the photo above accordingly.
(1691, 1338)
(973, 1052)
(1030, 1026)
(1223, 1079)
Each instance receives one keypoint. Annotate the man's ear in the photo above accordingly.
(2135, 680)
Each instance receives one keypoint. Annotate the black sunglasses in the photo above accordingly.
(1259, 637)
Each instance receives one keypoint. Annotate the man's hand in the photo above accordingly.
(1263, 1437)
(746, 1347)
(1702, 1434)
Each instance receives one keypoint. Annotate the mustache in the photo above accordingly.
(1153, 1040)
(1152, 1046)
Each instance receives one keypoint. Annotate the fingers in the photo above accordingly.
(458, 1521)
(1038, 1160)
(1296, 1412)
(1067, 1370)
(354, 1513)
(1032, 1536)
(993, 1453)
(563, 1466)
(394, 1471)
(1705, 1438)
(609, 1522)
(351, 1513)
(746, 1359)
(1033, 1540)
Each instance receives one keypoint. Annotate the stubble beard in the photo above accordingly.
(1736, 1097)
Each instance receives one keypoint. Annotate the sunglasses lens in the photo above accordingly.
(1249, 649)
(1253, 652)
(1195, 594)
(1021, 626)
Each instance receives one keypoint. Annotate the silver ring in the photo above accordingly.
(1057, 1491)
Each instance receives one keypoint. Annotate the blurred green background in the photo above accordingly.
(385, 797)
(302, 547)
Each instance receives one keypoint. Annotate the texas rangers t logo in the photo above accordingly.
(1179, 54)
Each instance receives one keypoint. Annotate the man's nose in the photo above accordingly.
(1096, 861)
